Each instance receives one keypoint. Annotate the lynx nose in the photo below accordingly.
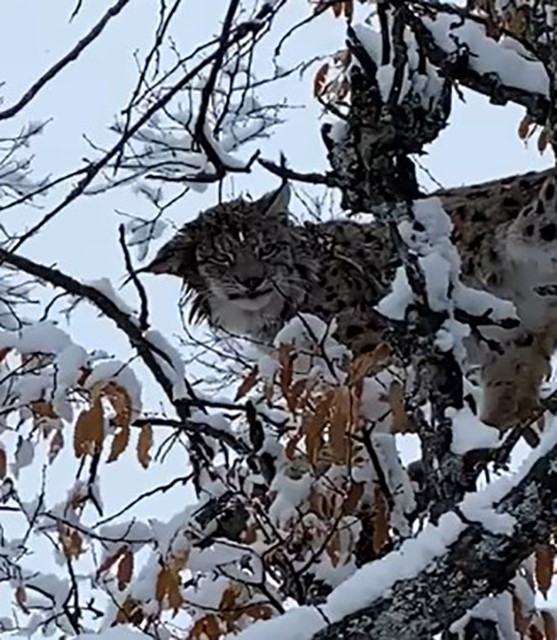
(253, 282)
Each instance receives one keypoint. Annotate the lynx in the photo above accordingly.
(248, 268)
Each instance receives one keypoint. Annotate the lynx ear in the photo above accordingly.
(178, 256)
(275, 203)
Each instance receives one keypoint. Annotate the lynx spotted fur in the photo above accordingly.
(248, 268)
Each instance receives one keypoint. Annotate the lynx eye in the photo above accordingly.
(267, 252)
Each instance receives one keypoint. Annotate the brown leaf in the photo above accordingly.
(258, 611)
(247, 384)
(520, 619)
(287, 356)
(121, 403)
(380, 521)
(545, 557)
(125, 570)
(21, 598)
(348, 9)
(109, 561)
(401, 423)
(4, 352)
(543, 140)
(524, 127)
(340, 423)
(369, 363)
(337, 8)
(313, 425)
(129, 613)
(144, 444)
(353, 498)
(294, 394)
(72, 543)
(206, 628)
(56, 445)
(3, 463)
(319, 80)
(549, 626)
(168, 588)
(89, 430)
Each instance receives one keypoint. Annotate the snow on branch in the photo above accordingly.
(432, 580)
(464, 47)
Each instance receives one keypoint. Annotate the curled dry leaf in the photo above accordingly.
(247, 384)
(319, 80)
(206, 628)
(89, 430)
(314, 424)
(21, 598)
(401, 422)
(56, 445)
(109, 561)
(125, 570)
(549, 625)
(545, 559)
(3, 463)
(144, 444)
(167, 589)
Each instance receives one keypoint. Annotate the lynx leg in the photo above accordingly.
(511, 380)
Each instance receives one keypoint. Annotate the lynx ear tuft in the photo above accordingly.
(275, 203)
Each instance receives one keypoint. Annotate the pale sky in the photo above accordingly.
(481, 143)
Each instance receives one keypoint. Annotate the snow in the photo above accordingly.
(104, 286)
(486, 55)
(375, 579)
(470, 433)
(119, 632)
(172, 365)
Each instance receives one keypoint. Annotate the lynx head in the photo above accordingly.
(237, 253)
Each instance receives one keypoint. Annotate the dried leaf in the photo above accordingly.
(401, 422)
(294, 394)
(125, 570)
(348, 9)
(549, 625)
(168, 588)
(109, 561)
(121, 403)
(3, 463)
(337, 8)
(72, 543)
(524, 127)
(340, 423)
(313, 425)
(21, 598)
(89, 430)
(206, 628)
(520, 619)
(258, 611)
(353, 497)
(319, 80)
(545, 558)
(287, 356)
(4, 352)
(380, 521)
(370, 363)
(543, 140)
(333, 549)
(144, 444)
(56, 445)
(130, 613)
(247, 384)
